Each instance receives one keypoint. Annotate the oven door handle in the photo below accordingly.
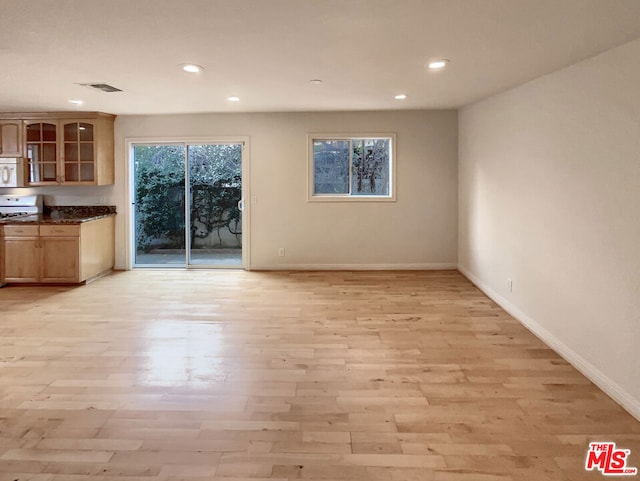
(6, 174)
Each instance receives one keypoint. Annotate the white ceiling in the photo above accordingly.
(266, 51)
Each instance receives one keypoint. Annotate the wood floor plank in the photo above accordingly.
(246, 376)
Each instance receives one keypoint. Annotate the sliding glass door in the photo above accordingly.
(214, 186)
(159, 205)
(187, 204)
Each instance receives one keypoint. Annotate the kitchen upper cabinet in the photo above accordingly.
(10, 138)
(79, 151)
(42, 152)
(71, 150)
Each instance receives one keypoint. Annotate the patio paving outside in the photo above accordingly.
(231, 258)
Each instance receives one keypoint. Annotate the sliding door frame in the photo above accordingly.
(130, 191)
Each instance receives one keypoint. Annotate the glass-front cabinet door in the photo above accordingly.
(42, 152)
(79, 151)
(61, 152)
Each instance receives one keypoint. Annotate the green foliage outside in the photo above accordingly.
(215, 189)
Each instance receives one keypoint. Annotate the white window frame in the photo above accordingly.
(311, 197)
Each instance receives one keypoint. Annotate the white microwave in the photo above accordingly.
(11, 172)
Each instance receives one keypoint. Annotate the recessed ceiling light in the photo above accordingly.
(439, 63)
(234, 99)
(192, 68)
(315, 81)
(401, 97)
(76, 102)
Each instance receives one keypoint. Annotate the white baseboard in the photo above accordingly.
(357, 267)
(610, 387)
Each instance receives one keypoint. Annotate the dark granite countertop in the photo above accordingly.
(64, 215)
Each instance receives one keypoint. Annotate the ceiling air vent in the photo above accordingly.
(104, 87)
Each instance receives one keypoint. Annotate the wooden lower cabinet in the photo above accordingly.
(21, 259)
(57, 253)
(60, 259)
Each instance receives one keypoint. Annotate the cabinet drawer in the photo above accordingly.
(60, 230)
(20, 230)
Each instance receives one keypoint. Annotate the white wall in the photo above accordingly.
(419, 230)
(549, 182)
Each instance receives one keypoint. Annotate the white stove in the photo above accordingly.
(20, 205)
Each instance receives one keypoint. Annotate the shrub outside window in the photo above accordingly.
(351, 168)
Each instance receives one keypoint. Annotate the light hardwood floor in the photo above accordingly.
(230, 375)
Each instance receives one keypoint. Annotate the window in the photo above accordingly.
(345, 167)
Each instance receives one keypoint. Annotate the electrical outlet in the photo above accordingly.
(510, 285)
(281, 252)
